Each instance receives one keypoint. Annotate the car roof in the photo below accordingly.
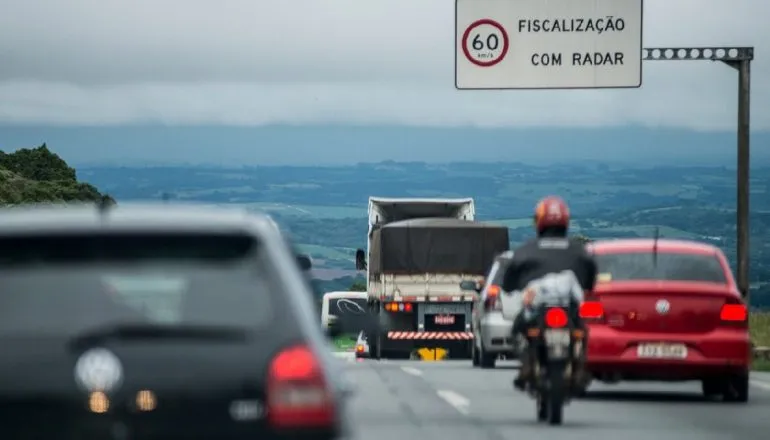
(132, 217)
(648, 244)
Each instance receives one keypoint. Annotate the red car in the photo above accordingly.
(667, 310)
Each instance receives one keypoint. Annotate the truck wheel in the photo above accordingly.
(474, 355)
(377, 349)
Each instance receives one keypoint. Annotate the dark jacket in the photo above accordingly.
(549, 254)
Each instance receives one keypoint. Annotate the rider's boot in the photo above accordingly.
(525, 372)
(520, 382)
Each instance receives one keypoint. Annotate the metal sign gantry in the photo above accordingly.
(740, 59)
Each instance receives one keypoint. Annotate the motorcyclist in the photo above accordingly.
(537, 260)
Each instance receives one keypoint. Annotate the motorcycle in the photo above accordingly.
(555, 348)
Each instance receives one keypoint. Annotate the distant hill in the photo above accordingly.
(37, 175)
(327, 145)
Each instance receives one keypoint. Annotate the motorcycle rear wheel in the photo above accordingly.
(555, 398)
(542, 409)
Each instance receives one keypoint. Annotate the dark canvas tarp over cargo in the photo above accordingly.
(436, 245)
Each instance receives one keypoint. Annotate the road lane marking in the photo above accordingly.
(412, 371)
(759, 384)
(345, 356)
(458, 402)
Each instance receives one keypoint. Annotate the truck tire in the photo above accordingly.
(378, 348)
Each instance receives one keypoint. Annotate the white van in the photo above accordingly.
(350, 308)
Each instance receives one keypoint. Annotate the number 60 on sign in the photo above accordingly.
(485, 43)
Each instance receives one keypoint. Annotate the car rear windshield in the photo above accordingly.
(664, 266)
(70, 283)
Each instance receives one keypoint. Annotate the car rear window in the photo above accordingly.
(664, 266)
(70, 283)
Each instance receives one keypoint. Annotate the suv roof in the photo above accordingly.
(507, 255)
(131, 217)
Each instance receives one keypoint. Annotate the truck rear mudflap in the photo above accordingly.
(428, 345)
(432, 336)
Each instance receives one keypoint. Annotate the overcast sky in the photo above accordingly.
(251, 62)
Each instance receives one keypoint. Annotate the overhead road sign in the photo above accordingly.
(553, 44)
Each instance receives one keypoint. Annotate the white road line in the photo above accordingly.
(458, 402)
(764, 385)
(412, 371)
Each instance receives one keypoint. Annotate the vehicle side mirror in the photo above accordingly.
(470, 285)
(305, 263)
(333, 327)
(360, 259)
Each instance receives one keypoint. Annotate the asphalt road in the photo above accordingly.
(411, 400)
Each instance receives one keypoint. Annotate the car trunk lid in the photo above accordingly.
(663, 306)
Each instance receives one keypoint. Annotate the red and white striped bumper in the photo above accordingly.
(431, 335)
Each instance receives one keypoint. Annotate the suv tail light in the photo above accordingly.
(734, 312)
(591, 310)
(492, 300)
(298, 395)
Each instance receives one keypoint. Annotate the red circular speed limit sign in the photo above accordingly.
(485, 42)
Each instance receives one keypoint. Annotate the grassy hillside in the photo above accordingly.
(759, 323)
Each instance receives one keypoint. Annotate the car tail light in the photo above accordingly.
(492, 300)
(556, 318)
(591, 310)
(734, 313)
(298, 395)
(359, 348)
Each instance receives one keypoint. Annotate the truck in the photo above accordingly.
(418, 253)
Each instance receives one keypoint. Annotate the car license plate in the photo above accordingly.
(558, 338)
(444, 319)
(662, 351)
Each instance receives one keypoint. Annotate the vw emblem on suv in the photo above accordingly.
(662, 306)
(98, 369)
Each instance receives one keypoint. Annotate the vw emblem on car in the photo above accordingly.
(98, 369)
(662, 306)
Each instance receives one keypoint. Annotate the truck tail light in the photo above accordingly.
(399, 307)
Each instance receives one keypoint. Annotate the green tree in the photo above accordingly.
(358, 286)
(38, 175)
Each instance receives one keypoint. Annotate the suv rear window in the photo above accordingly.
(665, 266)
(65, 284)
(495, 275)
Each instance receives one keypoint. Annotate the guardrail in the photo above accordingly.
(762, 353)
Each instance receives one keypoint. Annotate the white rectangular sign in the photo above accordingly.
(548, 44)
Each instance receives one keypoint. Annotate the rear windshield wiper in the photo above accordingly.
(142, 331)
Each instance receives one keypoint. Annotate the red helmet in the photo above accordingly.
(551, 212)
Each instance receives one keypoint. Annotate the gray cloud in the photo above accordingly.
(248, 62)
